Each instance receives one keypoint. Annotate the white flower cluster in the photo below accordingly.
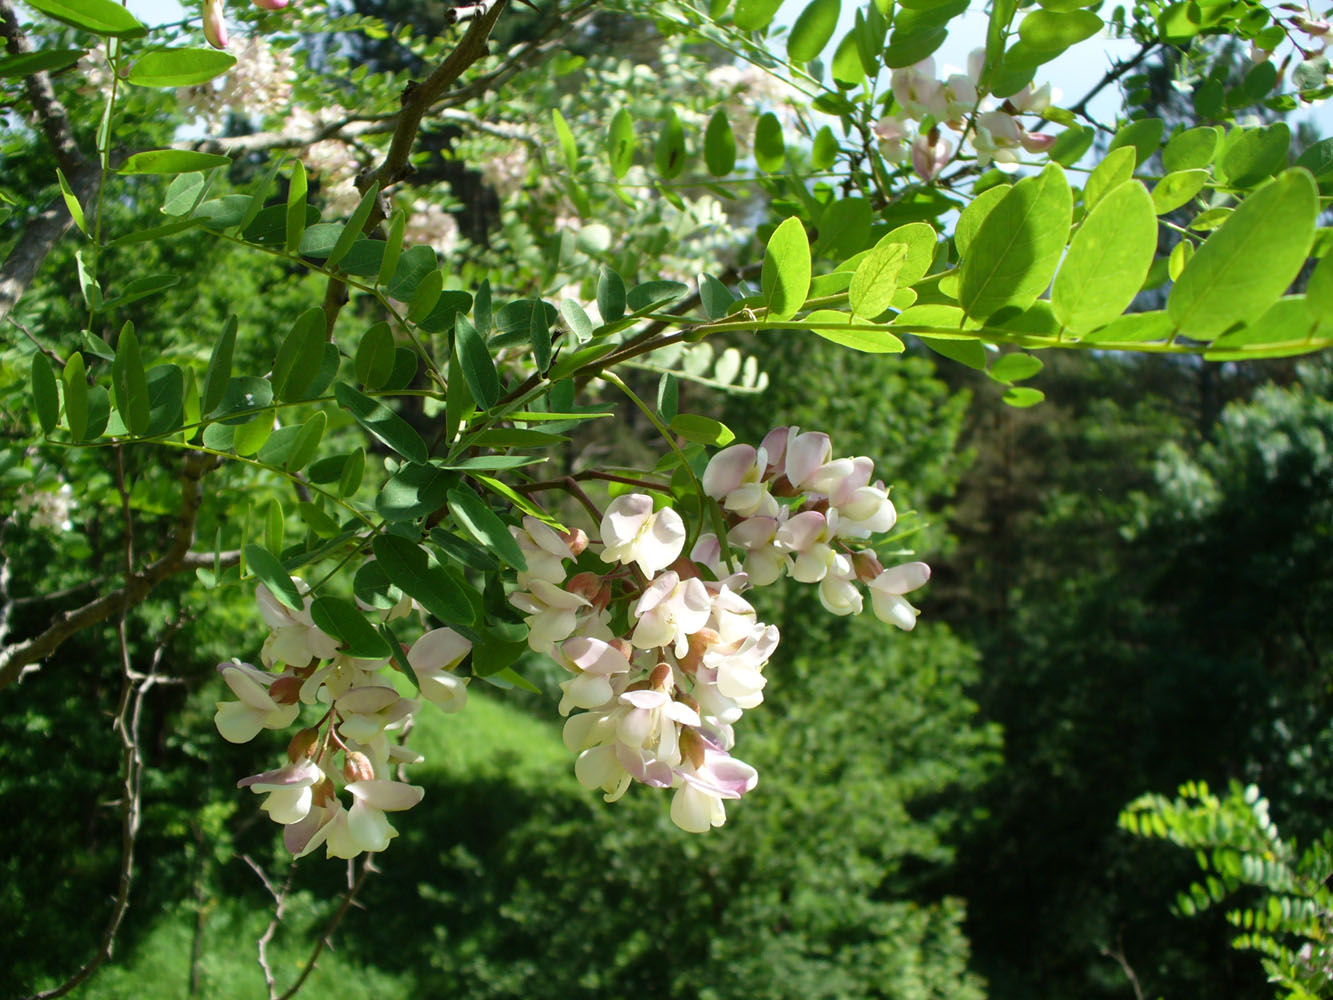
(361, 710)
(794, 509)
(996, 133)
(258, 86)
(658, 704)
(50, 509)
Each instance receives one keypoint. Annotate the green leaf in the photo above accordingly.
(785, 278)
(353, 469)
(1257, 154)
(1176, 189)
(242, 397)
(250, 436)
(1014, 367)
(1053, 31)
(101, 17)
(843, 228)
(425, 295)
(715, 296)
(876, 280)
(965, 352)
(374, 357)
(166, 399)
(702, 430)
(669, 153)
(382, 422)
(1071, 144)
(476, 364)
(405, 565)
(971, 218)
(71, 202)
(179, 67)
(172, 161)
(183, 194)
(300, 356)
(755, 15)
(44, 393)
(1023, 396)
(307, 442)
(76, 396)
(393, 248)
(1244, 266)
(1015, 252)
(847, 69)
(1113, 171)
(770, 152)
(343, 620)
(130, 382)
(610, 295)
(42, 61)
(296, 205)
(1192, 149)
(719, 145)
(865, 341)
(668, 396)
(483, 524)
(269, 571)
(620, 143)
(824, 150)
(812, 30)
(1108, 260)
(568, 147)
(577, 320)
(355, 225)
(219, 367)
(539, 333)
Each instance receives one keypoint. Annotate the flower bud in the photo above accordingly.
(303, 744)
(623, 647)
(1037, 142)
(660, 678)
(215, 24)
(357, 767)
(577, 540)
(692, 746)
(271, 4)
(286, 690)
(323, 793)
(699, 642)
(867, 565)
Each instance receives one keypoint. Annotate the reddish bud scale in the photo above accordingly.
(286, 690)
(577, 540)
(660, 678)
(692, 747)
(357, 767)
(303, 744)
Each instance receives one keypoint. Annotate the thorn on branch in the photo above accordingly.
(470, 12)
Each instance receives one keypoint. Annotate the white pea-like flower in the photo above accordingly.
(632, 532)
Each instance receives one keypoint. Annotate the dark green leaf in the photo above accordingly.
(45, 395)
(101, 17)
(374, 357)
(715, 296)
(299, 356)
(812, 30)
(76, 396)
(770, 152)
(294, 215)
(344, 621)
(382, 422)
(669, 153)
(610, 295)
(476, 364)
(702, 430)
(269, 571)
(219, 367)
(306, 443)
(620, 143)
(405, 565)
(485, 526)
(42, 61)
(130, 382)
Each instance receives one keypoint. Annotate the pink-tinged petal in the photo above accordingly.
(802, 531)
(554, 596)
(662, 543)
(893, 610)
(656, 592)
(288, 805)
(274, 612)
(805, 454)
(594, 656)
(439, 649)
(727, 470)
(645, 768)
(391, 796)
(305, 773)
(303, 837)
(598, 768)
(215, 24)
(585, 691)
(271, 4)
(774, 446)
(680, 712)
(754, 532)
(644, 699)
(901, 579)
(445, 690)
(366, 700)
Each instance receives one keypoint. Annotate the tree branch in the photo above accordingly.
(14, 657)
(39, 236)
(50, 112)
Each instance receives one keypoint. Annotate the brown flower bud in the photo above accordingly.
(867, 565)
(623, 647)
(700, 642)
(577, 540)
(303, 744)
(692, 746)
(357, 767)
(660, 678)
(286, 690)
(323, 793)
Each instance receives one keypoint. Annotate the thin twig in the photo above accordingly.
(325, 939)
(279, 907)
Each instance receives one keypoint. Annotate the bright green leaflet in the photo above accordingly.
(1222, 283)
(785, 278)
(1015, 252)
(1108, 260)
